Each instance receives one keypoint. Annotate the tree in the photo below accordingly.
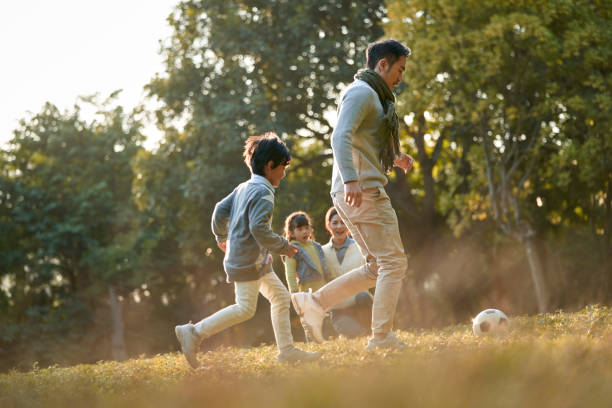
(235, 69)
(68, 210)
(501, 79)
(265, 65)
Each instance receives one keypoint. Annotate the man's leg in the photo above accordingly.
(345, 286)
(374, 225)
(352, 282)
(312, 307)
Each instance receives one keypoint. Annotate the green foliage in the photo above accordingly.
(517, 91)
(68, 216)
(252, 67)
(557, 359)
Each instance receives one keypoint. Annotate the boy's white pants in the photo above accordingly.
(272, 289)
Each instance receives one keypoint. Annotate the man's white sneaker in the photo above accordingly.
(295, 355)
(311, 314)
(190, 341)
(389, 342)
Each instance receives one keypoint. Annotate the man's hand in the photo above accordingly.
(352, 194)
(404, 162)
(290, 251)
(222, 245)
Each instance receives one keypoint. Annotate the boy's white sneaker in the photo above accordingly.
(190, 341)
(296, 355)
(311, 314)
(391, 341)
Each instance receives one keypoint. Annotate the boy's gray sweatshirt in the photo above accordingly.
(355, 141)
(243, 220)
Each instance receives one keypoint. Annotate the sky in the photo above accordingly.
(58, 50)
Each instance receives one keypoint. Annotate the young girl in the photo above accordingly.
(307, 269)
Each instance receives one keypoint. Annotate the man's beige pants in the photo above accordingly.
(272, 289)
(373, 226)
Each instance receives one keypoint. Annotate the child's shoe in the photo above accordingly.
(296, 355)
(190, 341)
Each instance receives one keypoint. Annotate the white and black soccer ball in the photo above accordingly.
(490, 322)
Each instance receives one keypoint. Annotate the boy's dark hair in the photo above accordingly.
(295, 220)
(259, 150)
(390, 50)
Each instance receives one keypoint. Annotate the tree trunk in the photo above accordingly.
(537, 276)
(119, 352)
(429, 201)
(427, 165)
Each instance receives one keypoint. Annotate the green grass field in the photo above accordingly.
(554, 360)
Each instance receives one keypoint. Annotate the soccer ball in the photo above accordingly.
(490, 322)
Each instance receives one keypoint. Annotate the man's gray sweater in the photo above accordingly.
(243, 220)
(355, 142)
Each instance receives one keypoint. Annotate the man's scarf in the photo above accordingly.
(389, 131)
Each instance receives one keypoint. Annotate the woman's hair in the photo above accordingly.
(328, 216)
(259, 150)
(295, 220)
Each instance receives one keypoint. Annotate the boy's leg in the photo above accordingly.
(273, 289)
(246, 303)
(190, 336)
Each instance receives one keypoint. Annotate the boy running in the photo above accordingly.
(241, 224)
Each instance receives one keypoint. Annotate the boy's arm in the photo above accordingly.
(220, 217)
(260, 214)
(291, 274)
(356, 105)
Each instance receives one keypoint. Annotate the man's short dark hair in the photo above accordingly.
(390, 50)
(259, 150)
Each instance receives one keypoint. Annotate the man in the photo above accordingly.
(365, 146)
